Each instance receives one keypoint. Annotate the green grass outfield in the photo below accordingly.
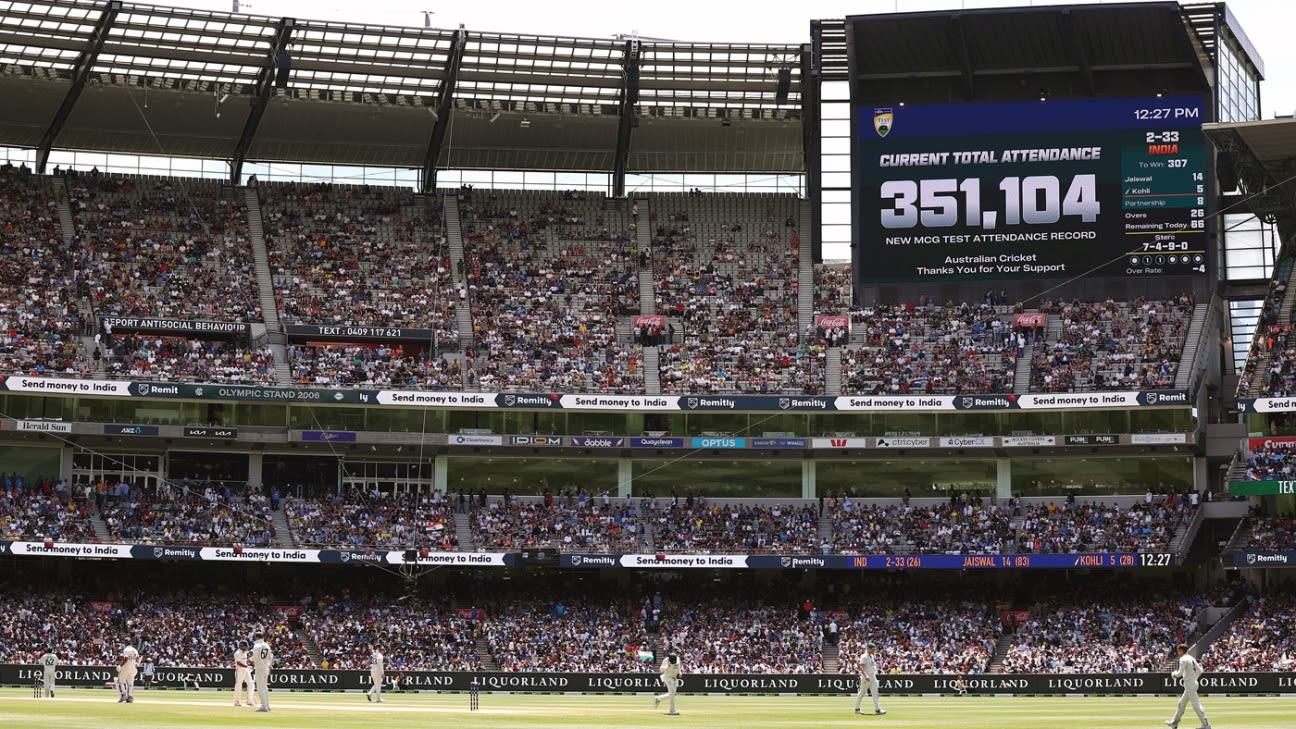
(98, 709)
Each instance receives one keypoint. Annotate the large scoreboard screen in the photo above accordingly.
(1040, 189)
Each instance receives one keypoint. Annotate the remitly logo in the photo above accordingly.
(593, 560)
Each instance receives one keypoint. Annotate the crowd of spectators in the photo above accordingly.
(580, 524)
(39, 286)
(178, 628)
(38, 514)
(169, 515)
(921, 348)
(548, 281)
(1271, 460)
(920, 635)
(153, 244)
(1271, 533)
(1112, 345)
(358, 256)
(597, 635)
(1273, 337)
(698, 526)
(171, 359)
(378, 365)
(725, 269)
(1146, 526)
(373, 521)
(1120, 632)
(730, 635)
(415, 635)
(1261, 639)
(968, 527)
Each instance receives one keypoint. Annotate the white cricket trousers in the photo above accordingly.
(376, 689)
(1190, 695)
(871, 688)
(49, 678)
(672, 685)
(244, 686)
(126, 682)
(263, 688)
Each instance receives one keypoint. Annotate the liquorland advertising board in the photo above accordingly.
(646, 682)
(1030, 189)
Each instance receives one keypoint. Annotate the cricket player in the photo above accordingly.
(670, 678)
(868, 680)
(262, 660)
(375, 675)
(127, 664)
(243, 685)
(49, 664)
(1189, 670)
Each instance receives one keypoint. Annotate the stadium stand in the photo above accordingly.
(167, 516)
(1261, 639)
(427, 635)
(549, 278)
(554, 635)
(1112, 345)
(1078, 632)
(153, 242)
(41, 514)
(1270, 461)
(40, 293)
(580, 523)
(363, 521)
(725, 274)
(700, 527)
(917, 634)
(922, 348)
(1271, 533)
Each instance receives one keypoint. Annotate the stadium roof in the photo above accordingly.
(1263, 154)
(144, 79)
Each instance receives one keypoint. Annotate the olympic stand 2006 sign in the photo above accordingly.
(1038, 189)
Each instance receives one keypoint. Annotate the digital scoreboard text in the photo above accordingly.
(1041, 189)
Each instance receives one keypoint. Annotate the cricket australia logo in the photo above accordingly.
(883, 120)
(510, 400)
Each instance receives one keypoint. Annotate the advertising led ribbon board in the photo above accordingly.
(1030, 189)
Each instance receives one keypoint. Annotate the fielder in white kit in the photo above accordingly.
(1189, 670)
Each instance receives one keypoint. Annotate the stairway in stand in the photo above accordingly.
(484, 655)
(1000, 652)
(463, 531)
(312, 649)
(102, 535)
(265, 287)
(831, 658)
(282, 534)
(805, 272)
(458, 268)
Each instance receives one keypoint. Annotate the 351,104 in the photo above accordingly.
(945, 203)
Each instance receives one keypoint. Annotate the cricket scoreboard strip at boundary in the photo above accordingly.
(691, 683)
(1086, 560)
(1030, 189)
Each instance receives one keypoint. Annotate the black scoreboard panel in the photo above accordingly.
(1020, 190)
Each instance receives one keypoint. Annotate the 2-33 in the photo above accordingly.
(1034, 200)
